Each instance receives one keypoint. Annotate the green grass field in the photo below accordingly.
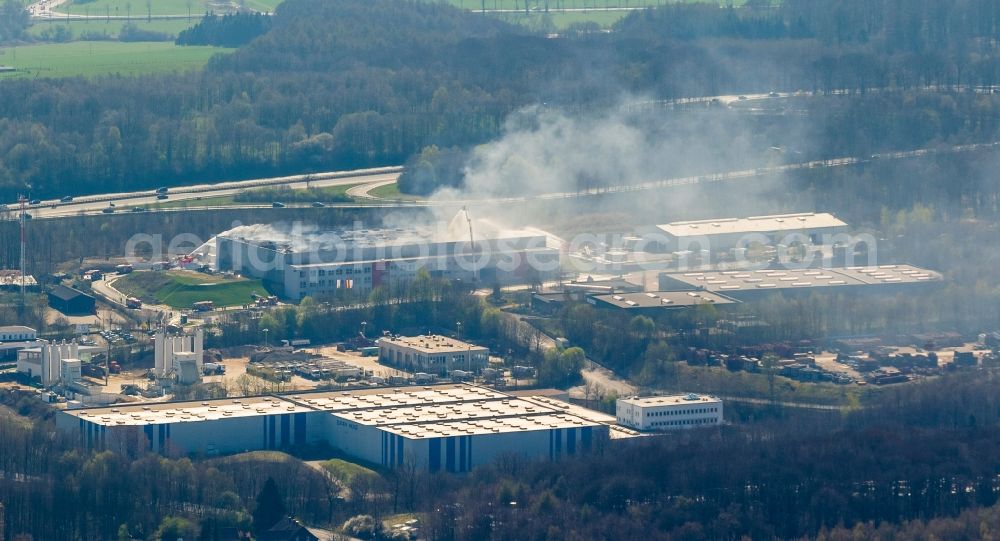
(79, 29)
(345, 471)
(327, 193)
(540, 5)
(391, 191)
(181, 289)
(90, 58)
(219, 201)
(139, 9)
(563, 20)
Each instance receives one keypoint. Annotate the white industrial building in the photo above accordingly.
(70, 370)
(727, 233)
(658, 413)
(17, 333)
(453, 427)
(432, 353)
(14, 338)
(300, 262)
(44, 361)
(178, 353)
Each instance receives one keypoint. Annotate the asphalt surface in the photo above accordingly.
(124, 202)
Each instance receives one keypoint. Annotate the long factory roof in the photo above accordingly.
(346, 239)
(750, 280)
(412, 411)
(193, 411)
(662, 299)
(753, 224)
(489, 425)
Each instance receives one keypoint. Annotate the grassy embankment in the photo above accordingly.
(181, 289)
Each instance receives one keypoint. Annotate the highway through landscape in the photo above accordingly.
(124, 202)
(364, 181)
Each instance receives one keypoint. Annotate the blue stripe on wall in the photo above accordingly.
(286, 430)
(434, 454)
(449, 454)
(300, 429)
(570, 441)
(270, 432)
(462, 453)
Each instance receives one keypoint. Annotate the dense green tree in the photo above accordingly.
(269, 506)
(14, 20)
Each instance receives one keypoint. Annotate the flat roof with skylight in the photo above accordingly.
(660, 299)
(430, 344)
(733, 282)
(193, 411)
(754, 224)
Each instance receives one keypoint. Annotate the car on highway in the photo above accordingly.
(27, 216)
(66, 199)
(318, 204)
(138, 209)
(278, 205)
(161, 196)
(161, 189)
(108, 210)
(35, 202)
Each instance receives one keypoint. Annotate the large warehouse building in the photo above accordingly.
(727, 233)
(748, 285)
(452, 427)
(298, 262)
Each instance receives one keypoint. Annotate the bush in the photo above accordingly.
(131, 32)
(362, 527)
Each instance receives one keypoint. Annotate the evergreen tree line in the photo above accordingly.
(337, 85)
(231, 30)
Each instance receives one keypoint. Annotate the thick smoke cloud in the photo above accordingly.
(544, 151)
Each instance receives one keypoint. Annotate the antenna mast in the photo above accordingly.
(472, 242)
(21, 204)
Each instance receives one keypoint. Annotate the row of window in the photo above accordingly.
(687, 422)
(689, 411)
(334, 284)
(338, 272)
